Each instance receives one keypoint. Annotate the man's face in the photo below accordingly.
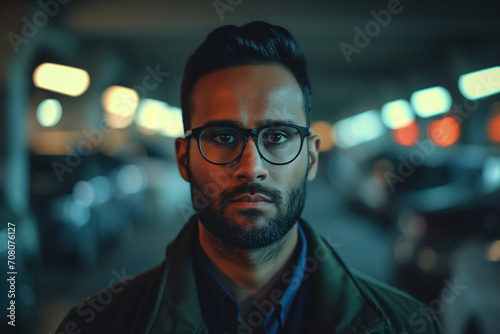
(249, 203)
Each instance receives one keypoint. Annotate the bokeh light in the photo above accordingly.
(358, 129)
(407, 135)
(119, 100)
(116, 121)
(151, 114)
(131, 179)
(443, 132)
(325, 131)
(84, 192)
(431, 101)
(119, 104)
(49, 112)
(493, 129)
(427, 259)
(62, 79)
(480, 84)
(491, 174)
(494, 251)
(397, 114)
(173, 125)
(160, 117)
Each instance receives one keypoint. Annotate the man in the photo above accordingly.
(246, 262)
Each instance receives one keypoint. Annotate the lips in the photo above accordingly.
(251, 198)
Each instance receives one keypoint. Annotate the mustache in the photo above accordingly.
(228, 195)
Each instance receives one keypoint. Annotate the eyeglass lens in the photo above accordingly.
(223, 144)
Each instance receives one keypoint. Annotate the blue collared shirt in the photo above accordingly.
(281, 312)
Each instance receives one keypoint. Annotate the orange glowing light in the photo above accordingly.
(407, 135)
(325, 130)
(493, 129)
(443, 132)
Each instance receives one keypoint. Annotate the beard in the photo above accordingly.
(215, 218)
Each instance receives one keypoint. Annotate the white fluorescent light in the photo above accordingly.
(160, 116)
(431, 101)
(120, 100)
(49, 112)
(480, 84)
(62, 79)
(397, 114)
(358, 129)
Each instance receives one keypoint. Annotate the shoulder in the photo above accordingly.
(402, 310)
(369, 305)
(124, 307)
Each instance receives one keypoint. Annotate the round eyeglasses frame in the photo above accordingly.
(196, 133)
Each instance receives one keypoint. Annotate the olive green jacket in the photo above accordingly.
(164, 299)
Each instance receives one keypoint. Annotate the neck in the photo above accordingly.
(249, 272)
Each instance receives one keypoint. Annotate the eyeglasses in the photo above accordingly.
(224, 144)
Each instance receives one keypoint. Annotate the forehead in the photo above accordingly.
(248, 94)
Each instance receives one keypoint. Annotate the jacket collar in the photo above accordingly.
(178, 308)
(337, 299)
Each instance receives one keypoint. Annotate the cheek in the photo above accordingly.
(300, 165)
(289, 176)
(195, 167)
(196, 162)
(210, 179)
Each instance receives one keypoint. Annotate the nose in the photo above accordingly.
(251, 167)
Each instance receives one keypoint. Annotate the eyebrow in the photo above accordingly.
(275, 122)
(224, 122)
(263, 123)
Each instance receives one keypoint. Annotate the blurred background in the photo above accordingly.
(405, 96)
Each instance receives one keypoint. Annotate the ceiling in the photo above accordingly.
(425, 43)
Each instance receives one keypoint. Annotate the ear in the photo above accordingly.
(181, 153)
(314, 146)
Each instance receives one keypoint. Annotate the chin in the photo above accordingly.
(250, 218)
(252, 213)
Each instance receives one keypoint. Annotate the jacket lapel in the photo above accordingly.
(179, 310)
(337, 301)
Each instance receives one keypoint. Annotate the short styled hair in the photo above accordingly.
(255, 43)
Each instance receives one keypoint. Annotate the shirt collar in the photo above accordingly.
(216, 303)
(298, 277)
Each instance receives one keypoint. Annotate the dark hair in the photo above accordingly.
(254, 43)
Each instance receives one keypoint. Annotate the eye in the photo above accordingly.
(224, 138)
(277, 137)
(274, 136)
(221, 136)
